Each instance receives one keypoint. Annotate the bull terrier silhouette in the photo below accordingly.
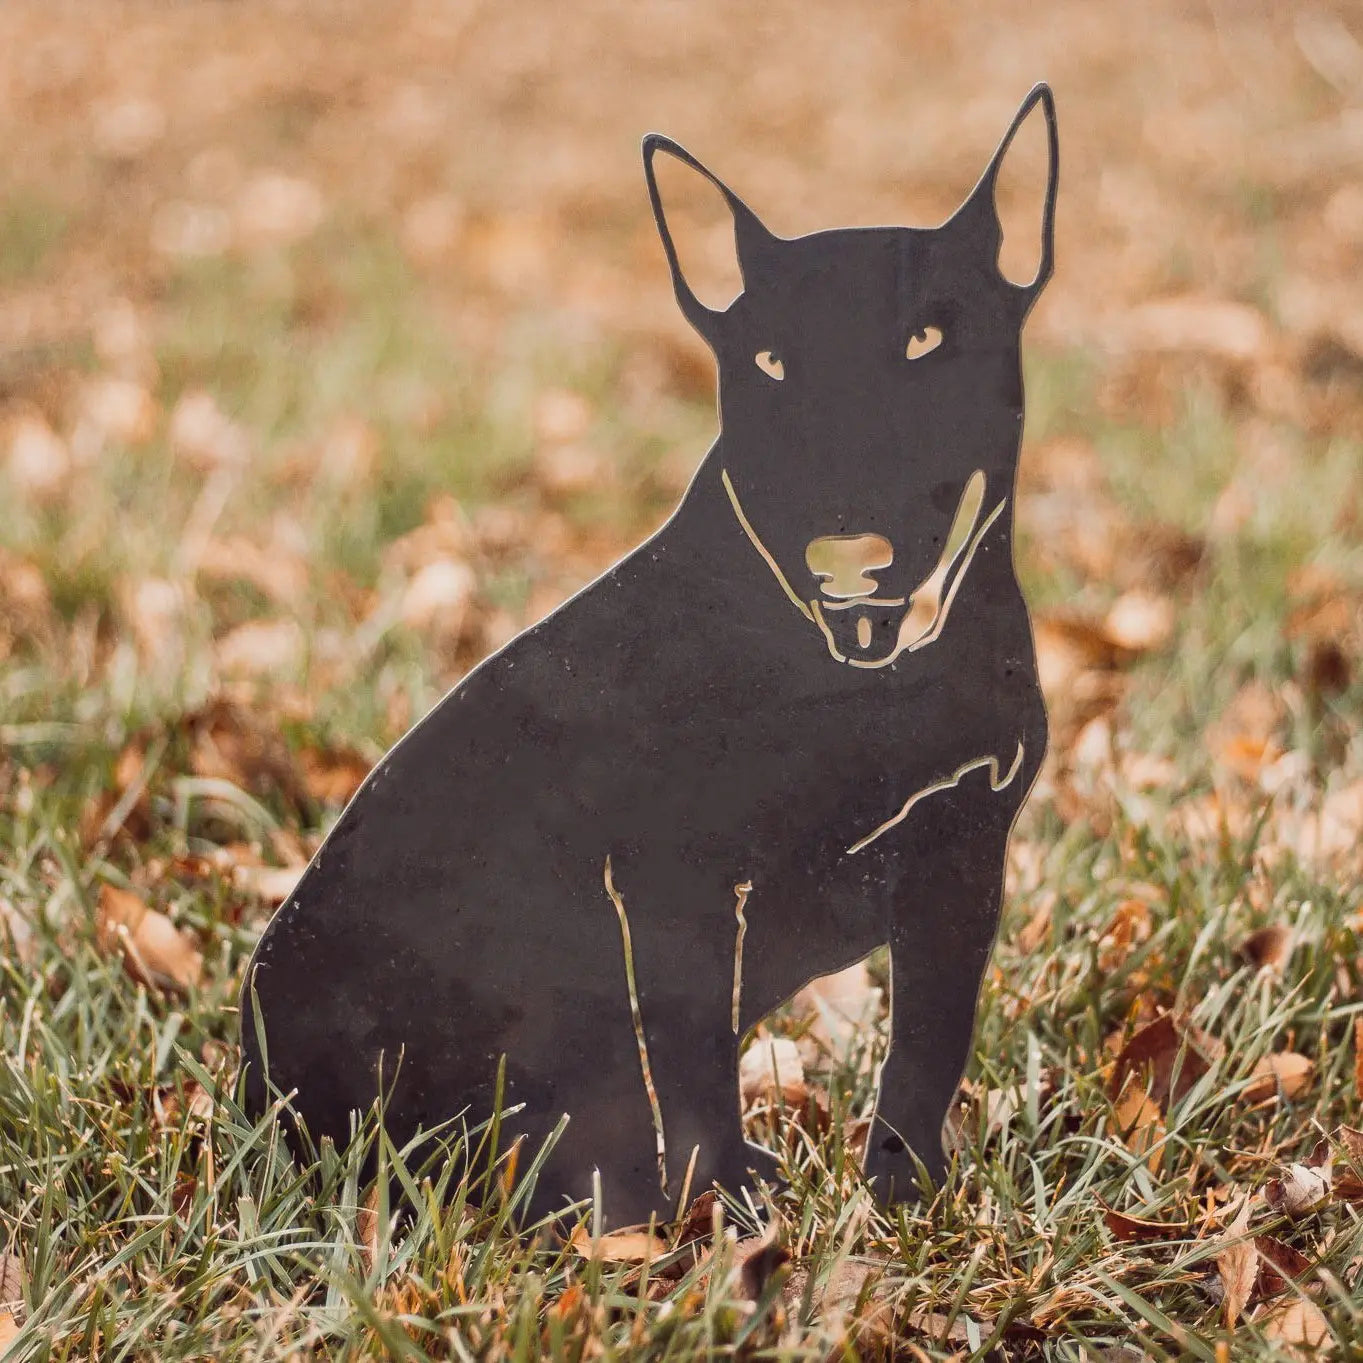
(794, 725)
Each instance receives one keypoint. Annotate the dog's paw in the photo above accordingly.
(896, 1173)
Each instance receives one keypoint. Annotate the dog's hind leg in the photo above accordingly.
(951, 853)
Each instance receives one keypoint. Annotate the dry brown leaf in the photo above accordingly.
(847, 1302)
(277, 572)
(261, 648)
(1238, 1265)
(155, 952)
(332, 775)
(1125, 1227)
(271, 884)
(1269, 947)
(1199, 324)
(9, 1329)
(1299, 1324)
(840, 1008)
(1279, 1265)
(1037, 928)
(1287, 1073)
(12, 1277)
(630, 1246)
(439, 596)
(769, 1066)
(1130, 926)
(567, 1307)
(232, 743)
(757, 1260)
(171, 1108)
(1299, 1189)
(1347, 1180)
(204, 436)
(567, 471)
(1086, 641)
(367, 1230)
(1170, 1053)
(699, 1223)
(1140, 1124)
(1336, 830)
(1140, 622)
(39, 462)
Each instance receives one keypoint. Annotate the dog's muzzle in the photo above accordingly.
(866, 627)
(846, 566)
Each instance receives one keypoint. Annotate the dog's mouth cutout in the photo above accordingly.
(928, 605)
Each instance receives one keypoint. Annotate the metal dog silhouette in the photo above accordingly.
(794, 725)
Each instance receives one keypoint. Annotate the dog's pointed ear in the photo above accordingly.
(752, 242)
(980, 210)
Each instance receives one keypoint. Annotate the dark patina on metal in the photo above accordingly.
(795, 724)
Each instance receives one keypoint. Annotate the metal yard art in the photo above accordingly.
(794, 725)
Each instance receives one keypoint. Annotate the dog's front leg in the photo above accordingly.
(943, 924)
(678, 926)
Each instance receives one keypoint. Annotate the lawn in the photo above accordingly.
(309, 399)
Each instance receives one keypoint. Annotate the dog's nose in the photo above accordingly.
(846, 562)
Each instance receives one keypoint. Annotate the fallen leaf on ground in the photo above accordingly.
(231, 743)
(1268, 947)
(171, 1107)
(332, 775)
(630, 1246)
(1140, 622)
(1131, 925)
(1197, 324)
(757, 1260)
(1279, 1265)
(11, 1277)
(1238, 1265)
(769, 1066)
(1126, 1227)
(439, 596)
(155, 952)
(1036, 929)
(850, 1289)
(39, 461)
(272, 884)
(1171, 1053)
(280, 574)
(1287, 1072)
(1297, 1322)
(841, 1007)
(1300, 1188)
(203, 435)
(1140, 1124)
(261, 648)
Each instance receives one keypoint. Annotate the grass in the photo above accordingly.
(153, 1220)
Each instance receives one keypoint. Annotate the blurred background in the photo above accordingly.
(336, 343)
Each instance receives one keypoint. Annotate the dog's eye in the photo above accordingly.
(923, 342)
(770, 365)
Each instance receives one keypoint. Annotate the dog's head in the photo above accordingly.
(871, 403)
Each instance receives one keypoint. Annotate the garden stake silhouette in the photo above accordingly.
(794, 725)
